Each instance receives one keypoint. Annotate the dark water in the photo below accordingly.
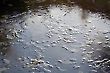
(55, 36)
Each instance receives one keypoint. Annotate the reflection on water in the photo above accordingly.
(13, 6)
(57, 36)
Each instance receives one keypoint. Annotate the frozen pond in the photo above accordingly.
(55, 38)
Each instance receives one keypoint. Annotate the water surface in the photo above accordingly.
(57, 37)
